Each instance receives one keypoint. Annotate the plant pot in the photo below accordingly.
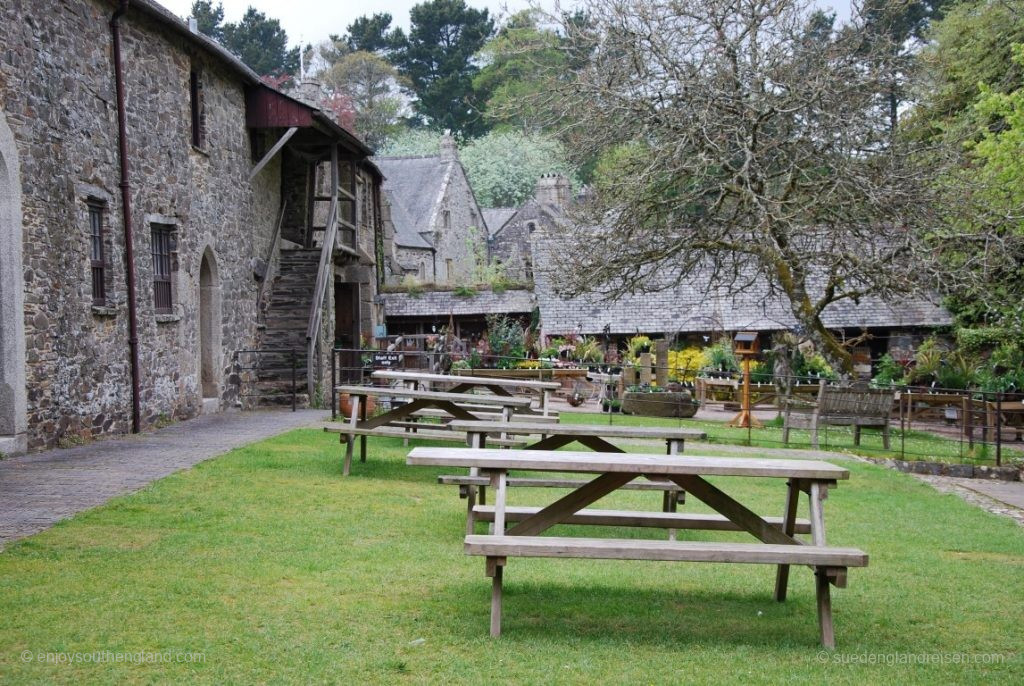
(345, 405)
(575, 399)
(679, 404)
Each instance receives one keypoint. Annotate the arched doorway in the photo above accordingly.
(209, 327)
(12, 318)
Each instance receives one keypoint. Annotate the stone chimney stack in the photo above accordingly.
(309, 91)
(449, 150)
(554, 189)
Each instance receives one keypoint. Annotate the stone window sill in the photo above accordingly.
(104, 311)
(202, 151)
(167, 318)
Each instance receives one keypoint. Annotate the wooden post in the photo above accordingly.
(788, 527)
(645, 368)
(353, 423)
(496, 565)
(661, 363)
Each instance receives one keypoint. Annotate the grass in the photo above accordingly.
(279, 570)
(917, 445)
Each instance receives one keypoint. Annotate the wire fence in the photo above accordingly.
(907, 422)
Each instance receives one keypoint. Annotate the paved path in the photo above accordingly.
(38, 490)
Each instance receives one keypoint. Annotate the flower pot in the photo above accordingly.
(345, 405)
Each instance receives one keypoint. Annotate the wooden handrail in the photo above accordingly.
(320, 290)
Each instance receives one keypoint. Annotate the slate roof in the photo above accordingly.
(495, 218)
(413, 186)
(693, 308)
(434, 303)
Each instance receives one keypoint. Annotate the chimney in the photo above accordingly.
(449, 151)
(309, 91)
(554, 189)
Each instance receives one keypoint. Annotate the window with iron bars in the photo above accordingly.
(97, 253)
(162, 235)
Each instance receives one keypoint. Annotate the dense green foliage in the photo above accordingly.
(437, 58)
(257, 40)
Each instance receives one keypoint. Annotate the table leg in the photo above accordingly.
(495, 566)
(350, 447)
(499, 482)
(788, 527)
(817, 494)
(474, 440)
(828, 635)
(362, 439)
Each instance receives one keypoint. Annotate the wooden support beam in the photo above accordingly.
(273, 151)
(570, 504)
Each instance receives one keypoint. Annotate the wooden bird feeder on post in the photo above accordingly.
(746, 346)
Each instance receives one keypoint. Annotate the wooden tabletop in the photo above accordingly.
(562, 429)
(630, 463)
(498, 400)
(480, 380)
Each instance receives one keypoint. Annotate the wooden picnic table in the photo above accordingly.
(467, 383)
(777, 542)
(388, 423)
(594, 436)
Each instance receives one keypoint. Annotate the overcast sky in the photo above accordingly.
(310, 21)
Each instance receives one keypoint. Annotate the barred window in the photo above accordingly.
(162, 242)
(97, 255)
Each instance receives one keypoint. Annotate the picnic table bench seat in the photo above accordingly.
(421, 434)
(675, 551)
(441, 396)
(487, 413)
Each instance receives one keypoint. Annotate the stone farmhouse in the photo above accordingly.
(438, 224)
(162, 211)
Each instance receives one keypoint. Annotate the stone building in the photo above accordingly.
(510, 230)
(222, 188)
(438, 225)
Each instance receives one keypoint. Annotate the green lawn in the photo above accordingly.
(918, 445)
(279, 570)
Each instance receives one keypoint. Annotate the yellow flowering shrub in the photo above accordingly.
(683, 365)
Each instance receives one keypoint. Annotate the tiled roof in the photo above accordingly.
(693, 307)
(434, 303)
(413, 186)
(496, 217)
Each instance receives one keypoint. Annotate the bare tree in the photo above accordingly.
(742, 143)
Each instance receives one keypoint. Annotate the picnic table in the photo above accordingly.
(777, 542)
(393, 423)
(465, 383)
(593, 436)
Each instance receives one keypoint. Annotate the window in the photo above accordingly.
(162, 235)
(97, 254)
(450, 269)
(195, 91)
(446, 219)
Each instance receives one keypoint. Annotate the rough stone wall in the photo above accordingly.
(454, 243)
(512, 244)
(56, 86)
(417, 262)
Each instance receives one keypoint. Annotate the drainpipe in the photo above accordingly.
(126, 209)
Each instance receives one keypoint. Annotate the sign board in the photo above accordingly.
(386, 360)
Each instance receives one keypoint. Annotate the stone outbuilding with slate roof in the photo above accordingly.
(437, 220)
(128, 291)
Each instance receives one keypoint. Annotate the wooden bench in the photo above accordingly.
(837, 406)
(487, 414)
(419, 433)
